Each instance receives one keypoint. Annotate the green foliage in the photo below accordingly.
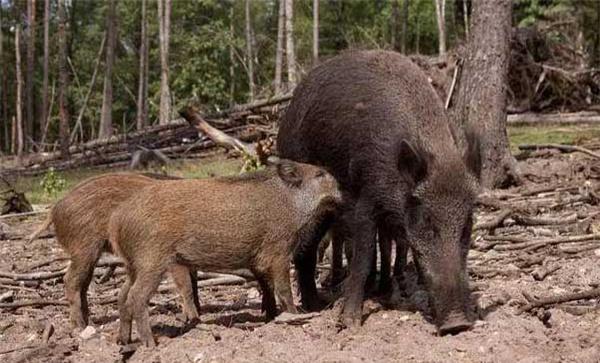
(250, 163)
(52, 183)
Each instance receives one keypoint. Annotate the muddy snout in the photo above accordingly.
(451, 308)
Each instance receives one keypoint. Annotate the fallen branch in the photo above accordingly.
(539, 274)
(544, 221)
(494, 222)
(533, 245)
(561, 147)
(559, 299)
(294, 319)
(42, 275)
(26, 214)
(35, 303)
(553, 118)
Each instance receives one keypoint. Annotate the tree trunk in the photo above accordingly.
(44, 107)
(315, 32)
(63, 81)
(231, 59)
(289, 49)
(440, 12)
(249, 55)
(466, 18)
(404, 26)
(394, 25)
(30, 76)
(418, 36)
(480, 106)
(142, 101)
(19, 99)
(164, 28)
(3, 105)
(106, 124)
(279, 49)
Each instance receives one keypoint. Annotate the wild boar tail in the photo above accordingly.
(42, 228)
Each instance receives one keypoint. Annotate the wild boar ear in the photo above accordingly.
(472, 156)
(410, 162)
(289, 173)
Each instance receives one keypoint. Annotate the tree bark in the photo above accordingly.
(3, 114)
(106, 124)
(279, 49)
(44, 107)
(466, 17)
(315, 32)
(142, 101)
(249, 55)
(19, 97)
(289, 49)
(231, 59)
(480, 106)
(63, 81)
(394, 25)
(30, 130)
(440, 12)
(164, 28)
(404, 26)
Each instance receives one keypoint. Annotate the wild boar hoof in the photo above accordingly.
(454, 326)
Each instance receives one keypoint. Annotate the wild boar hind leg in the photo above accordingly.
(186, 282)
(362, 229)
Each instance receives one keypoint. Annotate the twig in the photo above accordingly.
(289, 318)
(561, 147)
(544, 221)
(533, 245)
(539, 274)
(37, 265)
(495, 222)
(26, 214)
(457, 69)
(42, 275)
(36, 303)
(558, 299)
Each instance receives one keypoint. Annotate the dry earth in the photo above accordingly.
(396, 329)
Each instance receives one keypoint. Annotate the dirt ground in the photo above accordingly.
(396, 328)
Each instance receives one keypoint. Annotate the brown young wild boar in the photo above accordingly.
(372, 119)
(80, 219)
(253, 221)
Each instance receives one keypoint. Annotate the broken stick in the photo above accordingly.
(558, 299)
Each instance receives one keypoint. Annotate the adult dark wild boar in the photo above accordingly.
(253, 221)
(80, 219)
(372, 119)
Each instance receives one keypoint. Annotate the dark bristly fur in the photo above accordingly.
(372, 119)
(253, 221)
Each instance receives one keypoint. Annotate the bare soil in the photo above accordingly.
(396, 328)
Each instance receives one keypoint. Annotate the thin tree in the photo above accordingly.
(249, 53)
(279, 48)
(30, 74)
(315, 31)
(404, 35)
(164, 27)
(19, 98)
(231, 59)
(106, 126)
(481, 95)
(440, 12)
(44, 108)
(466, 17)
(63, 80)
(289, 49)
(5, 129)
(142, 100)
(394, 24)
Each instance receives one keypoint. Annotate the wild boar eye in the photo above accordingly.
(320, 174)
